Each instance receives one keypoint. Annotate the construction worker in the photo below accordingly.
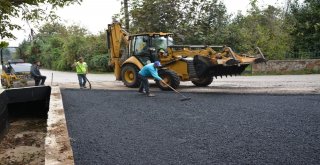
(35, 73)
(149, 70)
(82, 70)
(162, 53)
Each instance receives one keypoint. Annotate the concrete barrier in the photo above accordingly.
(30, 101)
(4, 124)
(40, 101)
(26, 102)
(33, 101)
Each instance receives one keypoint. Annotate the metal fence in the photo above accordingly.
(303, 55)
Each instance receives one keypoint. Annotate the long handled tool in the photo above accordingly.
(84, 76)
(88, 82)
(184, 97)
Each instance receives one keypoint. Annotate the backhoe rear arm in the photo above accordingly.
(115, 36)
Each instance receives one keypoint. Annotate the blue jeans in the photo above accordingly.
(144, 84)
(82, 80)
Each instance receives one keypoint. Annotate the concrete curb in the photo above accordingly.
(57, 143)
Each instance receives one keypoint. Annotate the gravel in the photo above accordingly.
(124, 127)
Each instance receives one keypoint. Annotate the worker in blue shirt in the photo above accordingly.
(149, 70)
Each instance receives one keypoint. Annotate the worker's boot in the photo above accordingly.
(150, 95)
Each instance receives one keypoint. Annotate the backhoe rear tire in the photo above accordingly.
(170, 77)
(129, 76)
(203, 82)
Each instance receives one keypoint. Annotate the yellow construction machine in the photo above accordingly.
(195, 63)
(15, 72)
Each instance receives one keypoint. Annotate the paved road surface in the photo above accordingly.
(123, 127)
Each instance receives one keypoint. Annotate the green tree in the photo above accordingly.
(57, 46)
(28, 10)
(194, 22)
(204, 22)
(306, 20)
(154, 15)
(260, 28)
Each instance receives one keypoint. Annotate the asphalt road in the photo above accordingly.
(124, 127)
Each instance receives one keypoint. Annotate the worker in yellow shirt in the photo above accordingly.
(82, 70)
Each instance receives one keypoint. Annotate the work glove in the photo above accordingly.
(74, 63)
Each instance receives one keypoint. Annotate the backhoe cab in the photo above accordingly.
(195, 63)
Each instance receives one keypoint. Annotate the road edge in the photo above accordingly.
(58, 148)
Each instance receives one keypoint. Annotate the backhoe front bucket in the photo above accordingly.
(205, 68)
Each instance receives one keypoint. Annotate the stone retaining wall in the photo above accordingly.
(287, 66)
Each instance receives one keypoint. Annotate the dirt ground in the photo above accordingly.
(24, 142)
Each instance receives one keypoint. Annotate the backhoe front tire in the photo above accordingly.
(129, 76)
(170, 77)
(203, 82)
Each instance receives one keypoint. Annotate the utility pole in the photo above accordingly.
(287, 6)
(126, 14)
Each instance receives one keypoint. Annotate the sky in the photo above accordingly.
(95, 15)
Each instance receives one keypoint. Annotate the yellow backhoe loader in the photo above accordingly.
(195, 63)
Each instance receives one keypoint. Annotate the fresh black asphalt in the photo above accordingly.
(124, 127)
